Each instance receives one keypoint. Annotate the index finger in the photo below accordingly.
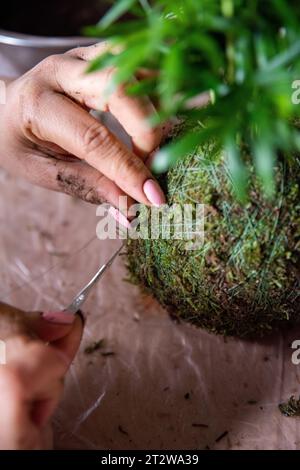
(133, 113)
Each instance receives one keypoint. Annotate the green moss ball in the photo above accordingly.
(243, 280)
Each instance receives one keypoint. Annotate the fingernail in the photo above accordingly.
(62, 318)
(119, 217)
(154, 193)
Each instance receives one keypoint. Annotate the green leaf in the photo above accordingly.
(227, 7)
(121, 7)
(263, 146)
(170, 154)
(172, 75)
(105, 60)
(128, 63)
(237, 169)
(142, 87)
(191, 43)
(264, 163)
(283, 59)
(118, 29)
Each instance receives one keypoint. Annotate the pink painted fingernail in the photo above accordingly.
(154, 193)
(119, 217)
(62, 318)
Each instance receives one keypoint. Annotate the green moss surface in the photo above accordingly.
(244, 279)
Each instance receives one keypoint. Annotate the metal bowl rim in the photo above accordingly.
(26, 40)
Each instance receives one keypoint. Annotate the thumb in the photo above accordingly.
(50, 326)
(69, 344)
(62, 329)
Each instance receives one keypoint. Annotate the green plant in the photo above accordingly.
(243, 280)
(238, 155)
(246, 54)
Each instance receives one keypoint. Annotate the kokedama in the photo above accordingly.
(244, 279)
(238, 155)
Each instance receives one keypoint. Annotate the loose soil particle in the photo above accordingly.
(95, 346)
(291, 408)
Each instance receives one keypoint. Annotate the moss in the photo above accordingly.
(244, 279)
(95, 346)
(291, 407)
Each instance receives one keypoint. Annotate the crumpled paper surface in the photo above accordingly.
(154, 384)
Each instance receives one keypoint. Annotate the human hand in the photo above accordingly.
(48, 136)
(39, 351)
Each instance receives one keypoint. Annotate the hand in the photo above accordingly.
(31, 381)
(48, 136)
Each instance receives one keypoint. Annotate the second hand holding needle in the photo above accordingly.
(82, 295)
